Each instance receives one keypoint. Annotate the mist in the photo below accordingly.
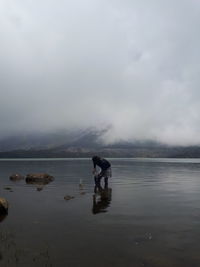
(129, 66)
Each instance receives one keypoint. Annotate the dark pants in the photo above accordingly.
(97, 178)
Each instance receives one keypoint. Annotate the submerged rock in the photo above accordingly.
(16, 177)
(68, 197)
(3, 206)
(39, 178)
(9, 189)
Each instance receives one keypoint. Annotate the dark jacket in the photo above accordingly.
(102, 163)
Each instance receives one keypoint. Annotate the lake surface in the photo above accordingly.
(148, 216)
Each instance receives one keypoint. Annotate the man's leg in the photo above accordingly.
(98, 179)
(106, 181)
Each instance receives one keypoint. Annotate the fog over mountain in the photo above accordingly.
(131, 67)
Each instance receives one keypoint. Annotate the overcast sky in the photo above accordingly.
(132, 65)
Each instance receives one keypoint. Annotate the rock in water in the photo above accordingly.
(8, 188)
(68, 197)
(16, 177)
(3, 206)
(41, 178)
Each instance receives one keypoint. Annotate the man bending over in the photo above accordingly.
(105, 170)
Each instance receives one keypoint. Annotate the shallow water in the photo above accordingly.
(149, 215)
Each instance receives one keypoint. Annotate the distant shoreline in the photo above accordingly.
(158, 151)
(192, 160)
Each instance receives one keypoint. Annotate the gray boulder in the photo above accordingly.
(39, 178)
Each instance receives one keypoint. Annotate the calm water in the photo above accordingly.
(149, 215)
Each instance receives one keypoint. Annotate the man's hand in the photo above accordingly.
(94, 171)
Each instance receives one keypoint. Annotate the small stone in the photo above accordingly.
(16, 177)
(68, 197)
(7, 188)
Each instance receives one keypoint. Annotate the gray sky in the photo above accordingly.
(133, 65)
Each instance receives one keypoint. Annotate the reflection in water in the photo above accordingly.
(40, 188)
(39, 179)
(3, 216)
(101, 199)
(39, 184)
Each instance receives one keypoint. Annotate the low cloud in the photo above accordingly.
(131, 65)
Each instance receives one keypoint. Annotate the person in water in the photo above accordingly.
(105, 172)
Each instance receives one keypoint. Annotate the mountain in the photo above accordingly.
(86, 144)
(64, 139)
